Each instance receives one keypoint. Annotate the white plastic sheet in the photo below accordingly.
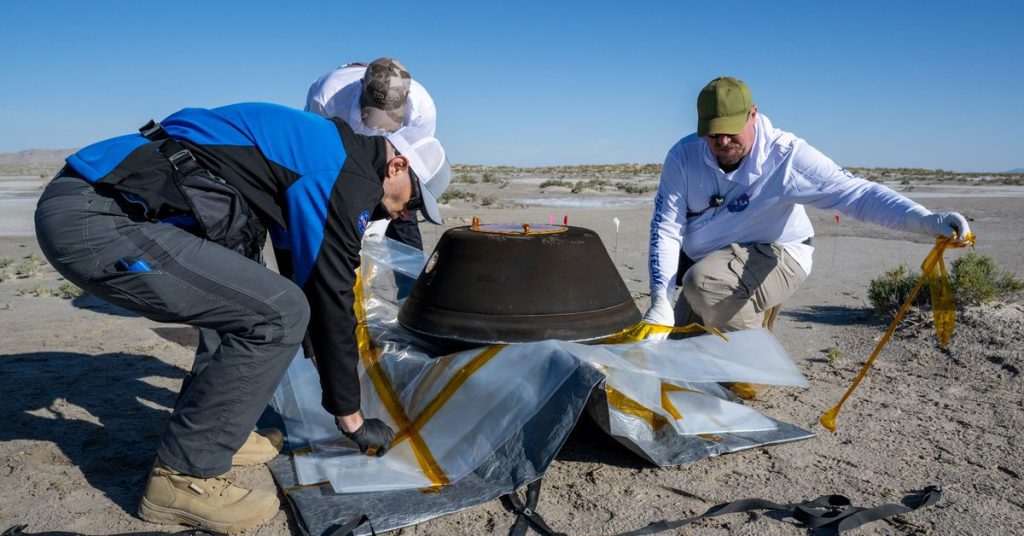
(453, 411)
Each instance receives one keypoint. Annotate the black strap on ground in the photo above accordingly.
(526, 513)
(831, 514)
(348, 527)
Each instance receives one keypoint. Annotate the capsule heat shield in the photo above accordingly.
(502, 284)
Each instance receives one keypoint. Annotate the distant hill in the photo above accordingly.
(46, 162)
(40, 162)
(35, 157)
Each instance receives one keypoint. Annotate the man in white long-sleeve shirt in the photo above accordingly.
(731, 197)
(375, 100)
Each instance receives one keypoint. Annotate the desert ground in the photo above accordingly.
(87, 386)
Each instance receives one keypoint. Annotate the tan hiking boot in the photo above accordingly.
(213, 504)
(260, 447)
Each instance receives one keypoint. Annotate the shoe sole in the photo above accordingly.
(170, 516)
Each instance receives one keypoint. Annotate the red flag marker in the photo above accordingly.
(837, 218)
(565, 220)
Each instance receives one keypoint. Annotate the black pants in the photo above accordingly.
(253, 319)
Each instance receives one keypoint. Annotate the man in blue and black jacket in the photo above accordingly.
(170, 223)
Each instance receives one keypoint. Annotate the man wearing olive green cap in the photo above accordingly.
(731, 205)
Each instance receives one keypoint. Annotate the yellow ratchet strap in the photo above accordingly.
(943, 311)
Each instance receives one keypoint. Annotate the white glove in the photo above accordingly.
(942, 224)
(660, 312)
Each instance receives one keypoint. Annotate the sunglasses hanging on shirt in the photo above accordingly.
(715, 202)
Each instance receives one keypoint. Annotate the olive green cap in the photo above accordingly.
(723, 107)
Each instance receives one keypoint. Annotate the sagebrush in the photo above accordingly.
(974, 279)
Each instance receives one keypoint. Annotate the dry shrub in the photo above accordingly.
(974, 279)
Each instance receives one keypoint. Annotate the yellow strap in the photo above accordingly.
(304, 451)
(943, 304)
(947, 314)
(643, 330)
(370, 356)
(448, 390)
(666, 402)
(291, 489)
(639, 332)
(627, 405)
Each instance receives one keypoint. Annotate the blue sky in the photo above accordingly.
(870, 83)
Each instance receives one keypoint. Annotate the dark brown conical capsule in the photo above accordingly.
(487, 284)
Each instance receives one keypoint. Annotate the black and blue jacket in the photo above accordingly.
(313, 183)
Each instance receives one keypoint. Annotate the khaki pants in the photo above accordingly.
(732, 288)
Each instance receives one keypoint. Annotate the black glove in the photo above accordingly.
(372, 434)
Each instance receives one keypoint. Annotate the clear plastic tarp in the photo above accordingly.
(451, 412)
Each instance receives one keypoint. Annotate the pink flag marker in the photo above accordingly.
(551, 219)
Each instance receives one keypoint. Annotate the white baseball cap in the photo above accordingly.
(428, 162)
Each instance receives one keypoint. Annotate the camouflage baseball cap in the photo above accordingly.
(723, 107)
(385, 89)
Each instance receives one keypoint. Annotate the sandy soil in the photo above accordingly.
(87, 389)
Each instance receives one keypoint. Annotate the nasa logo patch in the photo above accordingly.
(364, 220)
(740, 204)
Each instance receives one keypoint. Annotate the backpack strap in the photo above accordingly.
(181, 158)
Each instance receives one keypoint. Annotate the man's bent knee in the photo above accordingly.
(292, 315)
(715, 293)
(708, 282)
